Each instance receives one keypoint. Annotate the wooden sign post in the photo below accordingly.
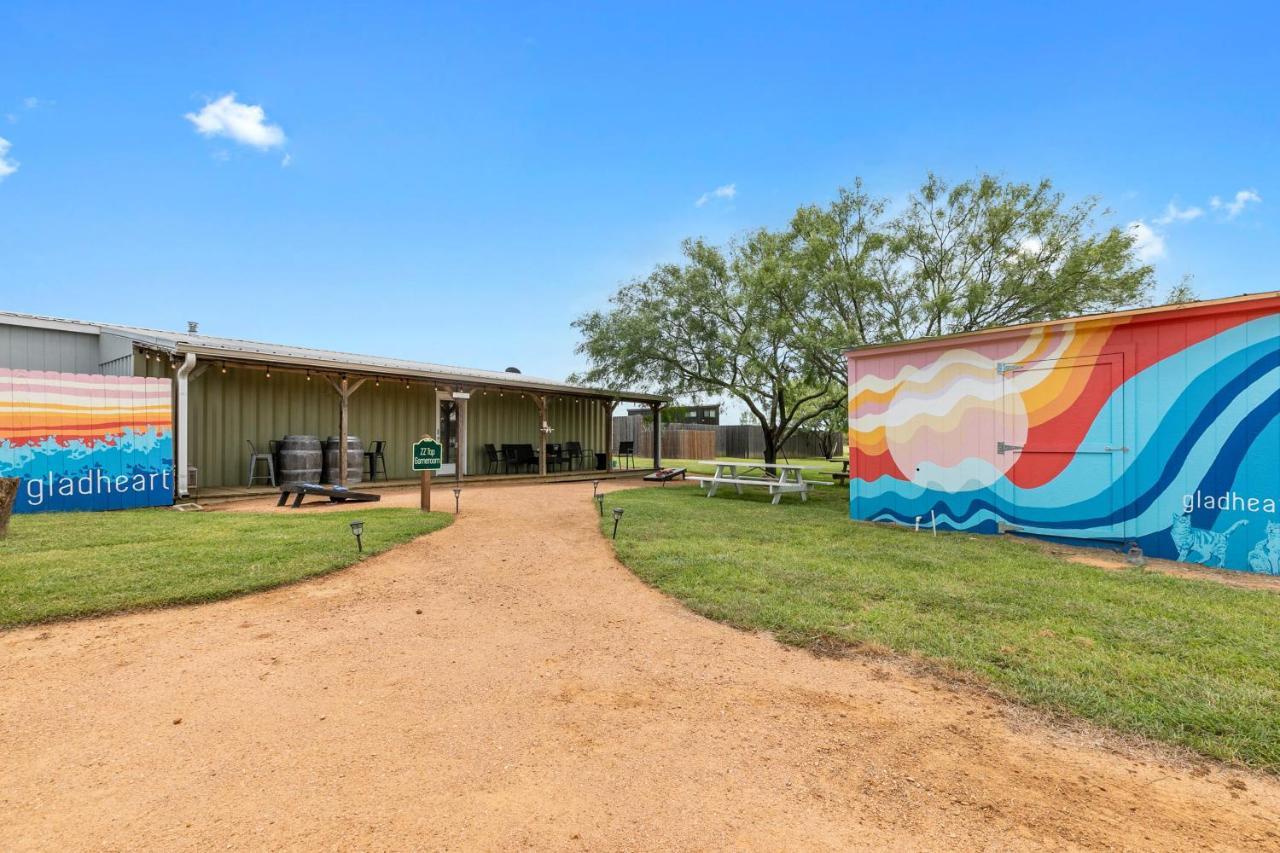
(427, 456)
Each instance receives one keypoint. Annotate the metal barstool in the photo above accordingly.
(254, 458)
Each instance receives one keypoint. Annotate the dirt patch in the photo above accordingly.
(506, 683)
(1103, 559)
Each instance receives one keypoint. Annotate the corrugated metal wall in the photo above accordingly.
(512, 418)
(24, 348)
(227, 409)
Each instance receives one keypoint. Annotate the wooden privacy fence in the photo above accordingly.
(679, 442)
(696, 441)
(747, 442)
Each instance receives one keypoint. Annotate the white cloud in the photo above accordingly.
(7, 166)
(31, 103)
(1173, 213)
(726, 191)
(1237, 205)
(244, 123)
(1031, 246)
(1147, 242)
(285, 161)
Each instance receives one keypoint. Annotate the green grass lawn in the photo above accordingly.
(1189, 662)
(75, 564)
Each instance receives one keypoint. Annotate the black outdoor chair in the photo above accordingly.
(519, 456)
(555, 457)
(573, 453)
(373, 456)
(493, 457)
(627, 451)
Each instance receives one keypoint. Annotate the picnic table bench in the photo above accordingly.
(335, 494)
(778, 478)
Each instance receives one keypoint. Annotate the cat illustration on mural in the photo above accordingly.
(1265, 556)
(1207, 545)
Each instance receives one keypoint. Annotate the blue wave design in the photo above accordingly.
(1236, 389)
(132, 469)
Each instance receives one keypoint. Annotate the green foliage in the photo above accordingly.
(76, 564)
(1182, 292)
(767, 319)
(959, 258)
(1189, 662)
(721, 322)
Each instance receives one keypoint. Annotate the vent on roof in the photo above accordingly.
(193, 327)
(512, 370)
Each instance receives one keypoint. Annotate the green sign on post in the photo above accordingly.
(427, 455)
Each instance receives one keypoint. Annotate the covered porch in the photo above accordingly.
(234, 406)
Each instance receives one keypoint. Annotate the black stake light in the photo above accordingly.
(457, 499)
(617, 516)
(595, 488)
(357, 530)
(600, 504)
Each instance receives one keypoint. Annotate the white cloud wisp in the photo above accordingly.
(243, 123)
(726, 191)
(1147, 242)
(1241, 200)
(7, 164)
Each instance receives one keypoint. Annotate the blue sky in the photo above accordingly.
(455, 183)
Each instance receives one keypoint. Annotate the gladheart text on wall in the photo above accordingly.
(83, 441)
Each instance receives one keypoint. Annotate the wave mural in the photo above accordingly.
(86, 442)
(1158, 428)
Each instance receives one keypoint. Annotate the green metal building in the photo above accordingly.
(230, 392)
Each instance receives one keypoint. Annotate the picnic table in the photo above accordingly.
(779, 478)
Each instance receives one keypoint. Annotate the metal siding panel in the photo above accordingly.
(47, 349)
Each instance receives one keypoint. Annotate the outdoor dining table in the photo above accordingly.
(780, 478)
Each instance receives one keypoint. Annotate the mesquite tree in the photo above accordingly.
(958, 258)
(718, 323)
(767, 320)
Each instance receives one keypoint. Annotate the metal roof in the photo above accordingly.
(1242, 301)
(318, 359)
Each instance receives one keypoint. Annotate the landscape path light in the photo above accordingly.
(357, 530)
(457, 499)
(600, 504)
(617, 516)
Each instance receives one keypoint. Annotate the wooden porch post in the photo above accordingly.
(608, 405)
(460, 406)
(541, 400)
(345, 389)
(657, 434)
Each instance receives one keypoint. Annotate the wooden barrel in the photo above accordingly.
(301, 460)
(355, 459)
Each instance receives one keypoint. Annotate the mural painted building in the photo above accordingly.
(1156, 426)
(86, 442)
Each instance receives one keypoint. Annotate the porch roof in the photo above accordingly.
(286, 356)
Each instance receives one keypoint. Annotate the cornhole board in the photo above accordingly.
(665, 474)
(335, 494)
